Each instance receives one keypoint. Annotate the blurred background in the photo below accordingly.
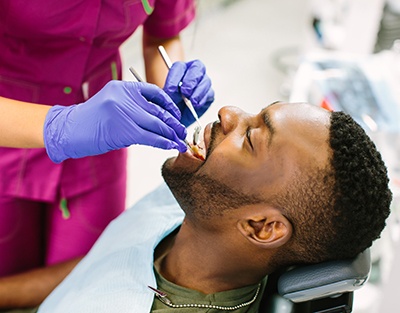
(342, 54)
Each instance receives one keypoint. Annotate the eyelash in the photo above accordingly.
(248, 137)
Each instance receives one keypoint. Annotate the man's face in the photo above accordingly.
(249, 158)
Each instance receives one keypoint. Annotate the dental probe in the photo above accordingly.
(140, 80)
(188, 103)
(136, 74)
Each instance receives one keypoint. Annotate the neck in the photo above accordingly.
(199, 261)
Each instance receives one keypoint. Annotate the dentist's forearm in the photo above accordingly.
(156, 70)
(21, 123)
(29, 289)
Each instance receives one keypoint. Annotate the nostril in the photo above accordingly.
(228, 117)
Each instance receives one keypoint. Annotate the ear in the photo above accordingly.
(267, 230)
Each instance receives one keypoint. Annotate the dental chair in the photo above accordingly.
(326, 287)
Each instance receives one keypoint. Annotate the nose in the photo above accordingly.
(229, 117)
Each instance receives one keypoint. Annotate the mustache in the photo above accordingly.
(215, 129)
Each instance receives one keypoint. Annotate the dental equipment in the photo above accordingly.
(136, 74)
(196, 134)
(140, 80)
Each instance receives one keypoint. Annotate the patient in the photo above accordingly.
(293, 184)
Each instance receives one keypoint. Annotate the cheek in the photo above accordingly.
(238, 173)
(224, 168)
(228, 159)
(216, 164)
(250, 175)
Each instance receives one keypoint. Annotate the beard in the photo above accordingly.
(203, 196)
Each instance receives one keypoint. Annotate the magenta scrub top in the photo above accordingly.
(49, 50)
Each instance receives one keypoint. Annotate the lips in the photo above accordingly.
(197, 152)
(188, 161)
(203, 144)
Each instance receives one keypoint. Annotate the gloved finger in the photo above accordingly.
(155, 140)
(202, 93)
(195, 73)
(202, 109)
(162, 120)
(158, 121)
(159, 134)
(153, 101)
(158, 96)
(165, 144)
(174, 77)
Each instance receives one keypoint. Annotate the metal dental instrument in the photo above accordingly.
(136, 74)
(196, 134)
(140, 80)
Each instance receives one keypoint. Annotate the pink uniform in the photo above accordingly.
(61, 52)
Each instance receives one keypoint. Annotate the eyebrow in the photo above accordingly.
(268, 122)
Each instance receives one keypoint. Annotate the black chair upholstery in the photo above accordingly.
(323, 287)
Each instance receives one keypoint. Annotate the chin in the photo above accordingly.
(178, 171)
(179, 174)
(184, 162)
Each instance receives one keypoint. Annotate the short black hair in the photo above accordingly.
(337, 212)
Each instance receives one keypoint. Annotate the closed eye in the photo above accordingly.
(248, 137)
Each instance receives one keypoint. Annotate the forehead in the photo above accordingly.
(302, 119)
(304, 127)
(300, 113)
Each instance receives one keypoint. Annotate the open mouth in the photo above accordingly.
(196, 155)
(197, 148)
(198, 151)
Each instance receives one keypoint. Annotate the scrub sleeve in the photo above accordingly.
(63, 52)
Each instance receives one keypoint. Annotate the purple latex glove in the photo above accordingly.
(189, 79)
(119, 115)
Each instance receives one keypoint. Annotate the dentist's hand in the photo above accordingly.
(189, 79)
(119, 115)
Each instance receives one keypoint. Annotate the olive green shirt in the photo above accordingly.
(230, 298)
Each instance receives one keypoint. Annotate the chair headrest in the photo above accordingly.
(324, 279)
